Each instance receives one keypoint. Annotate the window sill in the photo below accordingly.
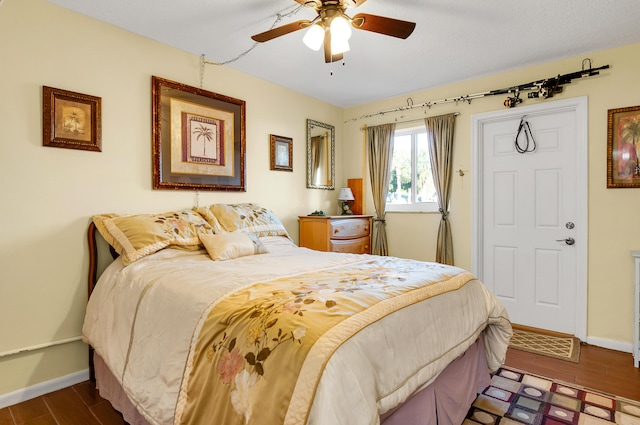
(410, 209)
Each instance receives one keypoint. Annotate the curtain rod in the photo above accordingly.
(364, 127)
(410, 105)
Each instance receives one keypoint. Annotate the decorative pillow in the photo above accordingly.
(136, 236)
(248, 217)
(227, 246)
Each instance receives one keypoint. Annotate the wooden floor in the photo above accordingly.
(76, 405)
(599, 369)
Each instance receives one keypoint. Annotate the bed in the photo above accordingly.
(214, 315)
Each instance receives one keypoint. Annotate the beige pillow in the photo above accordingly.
(248, 217)
(227, 246)
(136, 236)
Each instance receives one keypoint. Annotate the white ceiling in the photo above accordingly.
(454, 40)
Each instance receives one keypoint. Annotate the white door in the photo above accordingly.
(530, 216)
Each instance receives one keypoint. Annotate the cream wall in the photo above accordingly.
(613, 213)
(49, 194)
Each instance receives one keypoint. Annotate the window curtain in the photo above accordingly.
(380, 149)
(440, 138)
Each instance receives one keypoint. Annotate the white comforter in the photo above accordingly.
(141, 320)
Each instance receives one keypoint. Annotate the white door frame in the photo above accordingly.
(580, 106)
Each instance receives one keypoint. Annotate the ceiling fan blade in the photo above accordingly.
(279, 31)
(383, 25)
(336, 58)
(328, 57)
(327, 46)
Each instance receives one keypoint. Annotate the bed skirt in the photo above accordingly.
(446, 400)
(450, 395)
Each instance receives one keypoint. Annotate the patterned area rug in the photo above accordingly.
(515, 397)
(559, 347)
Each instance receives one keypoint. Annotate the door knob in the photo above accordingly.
(568, 241)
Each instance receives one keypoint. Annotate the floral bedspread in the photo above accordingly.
(254, 343)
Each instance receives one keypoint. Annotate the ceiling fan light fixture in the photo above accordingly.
(339, 45)
(340, 28)
(314, 37)
(332, 27)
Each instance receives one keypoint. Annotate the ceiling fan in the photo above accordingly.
(332, 27)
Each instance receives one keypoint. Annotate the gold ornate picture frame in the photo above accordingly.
(623, 147)
(281, 153)
(198, 138)
(71, 120)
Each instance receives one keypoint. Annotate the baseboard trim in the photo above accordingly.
(625, 347)
(42, 388)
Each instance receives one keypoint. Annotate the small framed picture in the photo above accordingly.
(623, 147)
(71, 120)
(281, 153)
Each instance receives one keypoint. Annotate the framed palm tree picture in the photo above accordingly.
(71, 120)
(198, 138)
(623, 147)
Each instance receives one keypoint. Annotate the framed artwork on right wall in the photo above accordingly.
(623, 147)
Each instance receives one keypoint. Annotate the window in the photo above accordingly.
(411, 186)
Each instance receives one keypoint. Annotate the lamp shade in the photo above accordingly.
(314, 37)
(339, 46)
(340, 28)
(345, 194)
(340, 35)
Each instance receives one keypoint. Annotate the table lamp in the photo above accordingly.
(345, 196)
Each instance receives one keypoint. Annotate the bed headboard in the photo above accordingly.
(94, 240)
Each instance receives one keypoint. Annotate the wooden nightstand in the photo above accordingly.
(337, 233)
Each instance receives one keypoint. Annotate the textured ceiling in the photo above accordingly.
(454, 40)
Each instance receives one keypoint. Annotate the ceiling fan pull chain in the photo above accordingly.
(343, 64)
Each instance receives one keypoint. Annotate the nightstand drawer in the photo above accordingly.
(350, 228)
(353, 246)
(338, 233)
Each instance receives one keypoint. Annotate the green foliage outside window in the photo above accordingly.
(411, 166)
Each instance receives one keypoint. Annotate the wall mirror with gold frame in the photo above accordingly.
(320, 155)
